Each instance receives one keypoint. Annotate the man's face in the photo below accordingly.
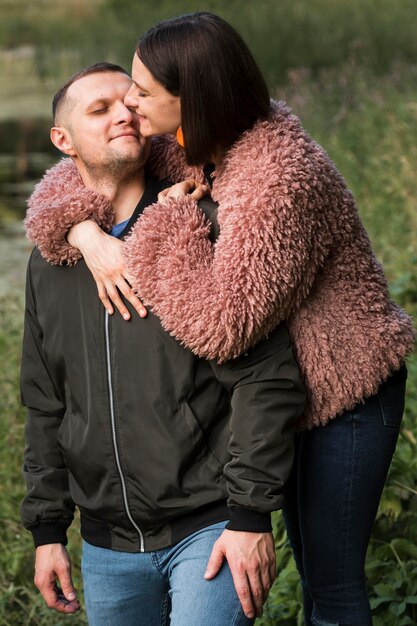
(100, 130)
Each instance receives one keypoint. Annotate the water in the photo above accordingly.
(17, 179)
(14, 253)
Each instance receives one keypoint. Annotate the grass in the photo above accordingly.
(367, 124)
(20, 603)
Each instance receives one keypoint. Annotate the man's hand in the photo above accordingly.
(52, 562)
(103, 255)
(251, 558)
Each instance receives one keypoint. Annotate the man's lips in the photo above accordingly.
(127, 133)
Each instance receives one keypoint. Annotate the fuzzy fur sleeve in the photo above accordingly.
(275, 217)
(58, 202)
(167, 161)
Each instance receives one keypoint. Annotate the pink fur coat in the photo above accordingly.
(291, 247)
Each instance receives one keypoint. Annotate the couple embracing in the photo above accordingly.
(260, 368)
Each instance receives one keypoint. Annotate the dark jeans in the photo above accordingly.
(332, 500)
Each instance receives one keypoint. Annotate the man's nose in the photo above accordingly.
(124, 114)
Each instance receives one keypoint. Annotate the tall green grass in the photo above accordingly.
(368, 126)
(20, 603)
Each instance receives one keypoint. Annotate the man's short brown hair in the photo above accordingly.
(97, 68)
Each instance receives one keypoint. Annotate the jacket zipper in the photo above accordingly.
(113, 429)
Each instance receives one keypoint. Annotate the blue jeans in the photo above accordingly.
(162, 587)
(332, 500)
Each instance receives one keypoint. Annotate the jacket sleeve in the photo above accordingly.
(267, 398)
(58, 202)
(219, 299)
(47, 509)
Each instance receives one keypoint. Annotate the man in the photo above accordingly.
(174, 462)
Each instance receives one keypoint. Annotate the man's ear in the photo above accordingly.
(61, 139)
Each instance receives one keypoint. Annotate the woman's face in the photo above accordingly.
(159, 111)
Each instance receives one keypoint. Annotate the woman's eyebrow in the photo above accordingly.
(140, 86)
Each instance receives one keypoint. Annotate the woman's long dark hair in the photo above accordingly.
(202, 59)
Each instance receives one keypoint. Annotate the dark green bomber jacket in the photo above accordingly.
(149, 441)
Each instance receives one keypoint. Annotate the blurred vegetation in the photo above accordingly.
(349, 70)
(283, 34)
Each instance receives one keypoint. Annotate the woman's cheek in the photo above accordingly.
(145, 128)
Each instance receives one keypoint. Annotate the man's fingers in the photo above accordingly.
(272, 569)
(251, 558)
(269, 566)
(63, 604)
(257, 590)
(215, 562)
(46, 585)
(67, 586)
(243, 592)
(52, 562)
(266, 580)
(53, 596)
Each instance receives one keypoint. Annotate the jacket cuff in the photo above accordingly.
(49, 532)
(249, 520)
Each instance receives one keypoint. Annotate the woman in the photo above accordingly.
(291, 247)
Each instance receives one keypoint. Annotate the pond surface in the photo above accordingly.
(19, 172)
(14, 254)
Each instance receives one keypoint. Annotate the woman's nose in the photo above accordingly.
(131, 100)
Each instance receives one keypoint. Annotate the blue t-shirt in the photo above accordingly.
(118, 228)
(150, 196)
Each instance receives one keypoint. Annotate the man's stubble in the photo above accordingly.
(112, 166)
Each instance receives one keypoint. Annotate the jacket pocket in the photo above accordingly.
(62, 434)
(201, 437)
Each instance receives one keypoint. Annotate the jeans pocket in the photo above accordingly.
(391, 397)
